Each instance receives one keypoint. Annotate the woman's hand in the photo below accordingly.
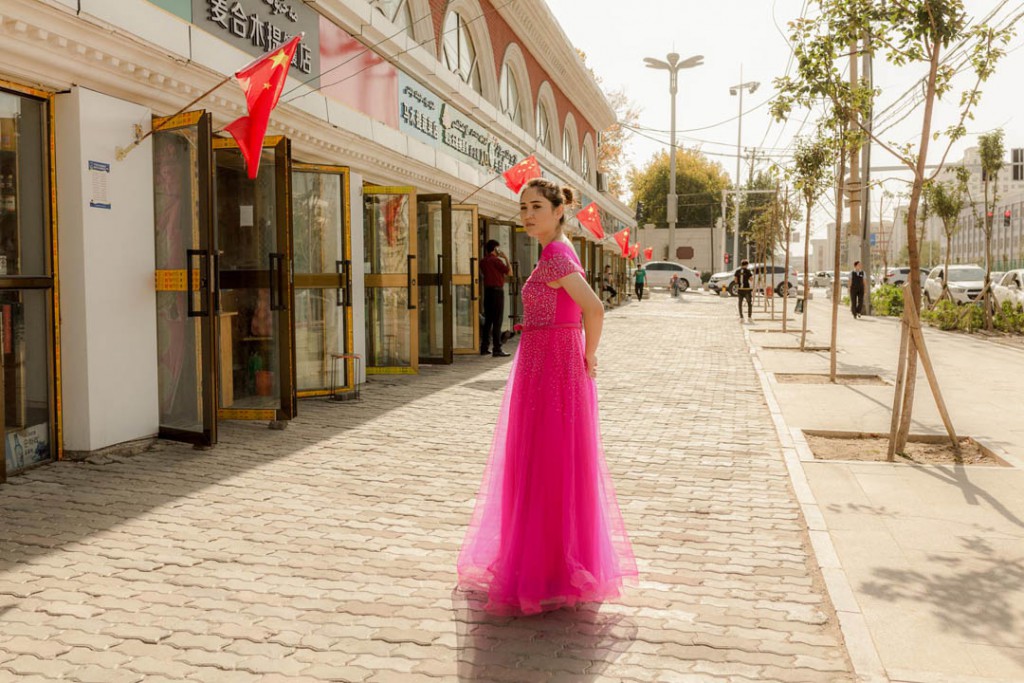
(591, 362)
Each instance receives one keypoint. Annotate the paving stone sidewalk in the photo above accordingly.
(327, 551)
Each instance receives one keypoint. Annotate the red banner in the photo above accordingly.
(590, 218)
(634, 251)
(262, 81)
(622, 239)
(648, 253)
(522, 173)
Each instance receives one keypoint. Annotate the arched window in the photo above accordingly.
(585, 164)
(509, 90)
(397, 12)
(568, 149)
(459, 53)
(544, 126)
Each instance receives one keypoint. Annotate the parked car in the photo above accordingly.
(900, 275)
(725, 280)
(659, 274)
(1010, 288)
(964, 282)
(822, 278)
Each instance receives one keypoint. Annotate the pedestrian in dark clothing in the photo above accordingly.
(744, 290)
(607, 285)
(857, 290)
(494, 268)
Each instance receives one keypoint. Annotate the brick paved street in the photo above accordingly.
(327, 551)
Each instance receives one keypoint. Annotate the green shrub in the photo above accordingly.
(944, 315)
(705, 276)
(973, 318)
(845, 301)
(1009, 318)
(887, 300)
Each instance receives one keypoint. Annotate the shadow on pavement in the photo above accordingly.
(579, 643)
(965, 596)
(56, 506)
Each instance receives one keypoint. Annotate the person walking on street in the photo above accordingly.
(607, 285)
(674, 284)
(857, 290)
(640, 278)
(742, 277)
(494, 268)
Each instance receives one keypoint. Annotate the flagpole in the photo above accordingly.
(481, 187)
(122, 152)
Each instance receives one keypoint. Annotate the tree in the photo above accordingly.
(947, 202)
(811, 173)
(926, 248)
(992, 152)
(821, 46)
(699, 185)
(612, 159)
(909, 33)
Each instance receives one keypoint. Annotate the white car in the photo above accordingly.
(726, 279)
(822, 278)
(900, 275)
(965, 283)
(1010, 288)
(659, 274)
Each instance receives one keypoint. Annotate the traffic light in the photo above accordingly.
(1006, 218)
(726, 259)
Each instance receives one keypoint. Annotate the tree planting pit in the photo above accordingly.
(815, 378)
(922, 449)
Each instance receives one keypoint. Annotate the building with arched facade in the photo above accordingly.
(149, 287)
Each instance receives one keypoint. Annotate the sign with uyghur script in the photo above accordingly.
(259, 26)
(424, 116)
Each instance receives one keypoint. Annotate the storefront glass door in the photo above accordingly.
(29, 333)
(254, 283)
(434, 258)
(465, 271)
(392, 290)
(508, 239)
(323, 280)
(185, 314)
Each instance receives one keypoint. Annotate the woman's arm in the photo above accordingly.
(593, 314)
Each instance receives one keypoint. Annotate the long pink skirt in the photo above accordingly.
(546, 531)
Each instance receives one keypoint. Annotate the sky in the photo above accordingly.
(751, 35)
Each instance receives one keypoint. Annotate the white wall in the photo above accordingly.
(108, 298)
(699, 239)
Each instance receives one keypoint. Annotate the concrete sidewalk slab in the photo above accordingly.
(934, 555)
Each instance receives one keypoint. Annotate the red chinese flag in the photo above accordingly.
(262, 81)
(622, 238)
(521, 173)
(634, 251)
(590, 218)
(648, 253)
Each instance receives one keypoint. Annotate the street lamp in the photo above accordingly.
(749, 86)
(672, 65)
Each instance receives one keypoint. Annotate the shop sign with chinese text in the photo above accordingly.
(259, 26)
(424, 116)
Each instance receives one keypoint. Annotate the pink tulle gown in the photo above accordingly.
(547, 531)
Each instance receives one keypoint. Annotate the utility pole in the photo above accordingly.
(865, 244)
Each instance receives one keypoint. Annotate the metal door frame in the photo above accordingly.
(443, 277)
(472, 280)
(342, 280)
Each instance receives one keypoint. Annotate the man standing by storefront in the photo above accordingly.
(494, 268)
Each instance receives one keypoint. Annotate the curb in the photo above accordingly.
(867, 664)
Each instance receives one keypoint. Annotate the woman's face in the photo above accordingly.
(539, 216)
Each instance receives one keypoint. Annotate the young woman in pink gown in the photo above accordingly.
(547, 531)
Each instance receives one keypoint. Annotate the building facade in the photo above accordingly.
(149, 287)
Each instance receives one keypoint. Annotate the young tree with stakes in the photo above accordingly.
(909, 33)
(811, 174)
(991, 149)
(947, 201)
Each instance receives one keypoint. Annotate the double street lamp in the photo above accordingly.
(672, 65)
(749, 86)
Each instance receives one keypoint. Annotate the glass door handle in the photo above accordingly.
(348, 283)
(190, 255)
(440, 279)
(410, 280)
(472, 278)
(276, 300)
(216, 281)
(340, 298)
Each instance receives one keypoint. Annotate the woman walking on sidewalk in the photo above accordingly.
(546, 531)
